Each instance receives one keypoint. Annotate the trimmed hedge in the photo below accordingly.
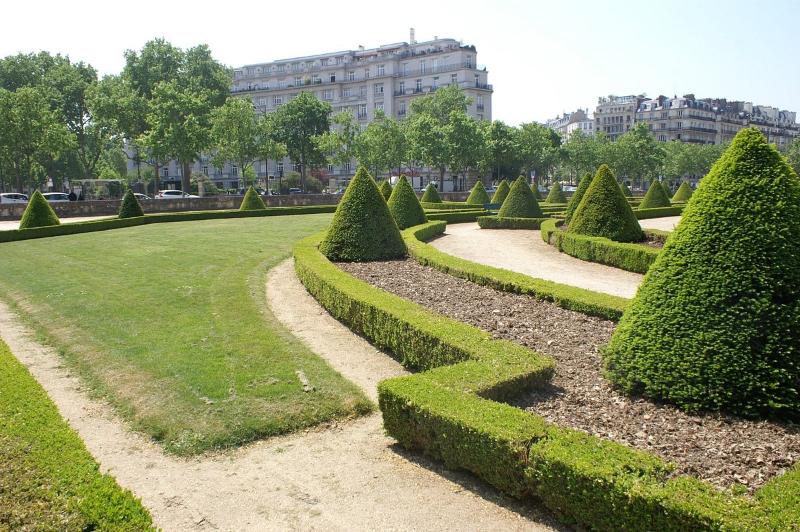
(362, 229)
(569, 297)
(630, 257)
(656, 197)
(252, 201)
(38, 213)
(660, 212)
(48, 480)
(457, 217)
(625, 190)
(450, 205)
(404, 205)
(386, 190)
(715, 324)
(604, 211)
(556, 195)
(450, 413)
(520, 203)
(431, 195)
(501, 193)
(497, 222)
(478, 195)
(119, 223)
(130, 207)
(576, 198)
(683, 193)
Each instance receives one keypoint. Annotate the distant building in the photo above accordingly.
(615, 115)
(714, 120)
(565, 124)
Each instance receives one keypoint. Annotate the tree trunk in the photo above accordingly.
(441, 179)
(303, 174)
(186, 184)
(156, 166)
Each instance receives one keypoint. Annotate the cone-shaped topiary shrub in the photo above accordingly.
(683, 193)
(431, 195)
(625, 190)
(715, 324)
(404, 205)
(556, 195)
(362, 228)
(500, 194)
(656, 197)
(520, 202)
(386, 189)
(130, 207)
(38, 213)
(605, 212)
(252, 201)
(478, 195)
(576, 198)
(535, 190)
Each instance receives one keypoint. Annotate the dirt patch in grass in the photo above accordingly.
(723, 450)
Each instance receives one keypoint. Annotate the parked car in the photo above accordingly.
(56, 197)
(140, 196)
(295, 191)
(174, 194)
(13, 197)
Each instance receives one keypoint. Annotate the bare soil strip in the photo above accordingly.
(723, 450)
(342, 476)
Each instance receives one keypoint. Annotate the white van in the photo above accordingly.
(13, 197)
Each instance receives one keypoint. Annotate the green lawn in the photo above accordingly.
(169, 321)
(48, 480)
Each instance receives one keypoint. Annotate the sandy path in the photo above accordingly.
(8, 225)
(346, 476)
(525, 252)
(667, 223)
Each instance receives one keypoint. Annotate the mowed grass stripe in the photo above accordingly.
(170, 322)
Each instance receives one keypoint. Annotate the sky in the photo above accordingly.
(545, 57)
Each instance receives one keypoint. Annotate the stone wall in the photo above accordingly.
(213, 203)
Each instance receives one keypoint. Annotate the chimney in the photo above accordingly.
(435, 37)
(411, 37)
(361, 47)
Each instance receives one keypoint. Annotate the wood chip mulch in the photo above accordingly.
(723, 450)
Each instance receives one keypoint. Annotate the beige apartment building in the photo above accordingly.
(362, 81)
(615, 115)
(565, 124)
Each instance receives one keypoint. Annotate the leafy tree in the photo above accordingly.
(30, 132)
(382, 145)
(465, 143)
(638, 155)
(501, 156)
(441, 104)
(537, 148)
(242, 136)
(296, 124)
(582, 153)
(340, 141)
(793, 155)
(427, 143)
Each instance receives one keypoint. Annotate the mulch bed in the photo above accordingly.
(723, 450)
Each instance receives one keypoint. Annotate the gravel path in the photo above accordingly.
(667, 223)
(721, 449)
(525, 252)
(342, 476)
(8, 225)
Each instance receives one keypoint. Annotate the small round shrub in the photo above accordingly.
(715, 324)
(520, 202)
(431, 195)
(252, 201)
(130, 207)
(478, 195)
(576, 198)
(604, 211)
(683, 193)
(386, 189)
(656, 197)
(500, 194)
(625, 190)
(38, 213)
(556, 195)
(404, 205)
(362, 228)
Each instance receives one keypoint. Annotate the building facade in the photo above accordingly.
(565, 124)
(361, 81)
(615, 115)
(714, 120)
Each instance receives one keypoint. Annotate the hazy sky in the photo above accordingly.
(544, 57)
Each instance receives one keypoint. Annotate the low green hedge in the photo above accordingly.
(449, 206)
(495, 222)
(569, 297)
(449, 412)
(48, 480)
(117, 223)
(658, 212)
(457, 217)
(631, 257)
